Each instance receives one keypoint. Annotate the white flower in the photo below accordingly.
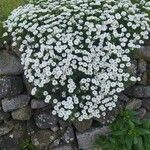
(78, 62)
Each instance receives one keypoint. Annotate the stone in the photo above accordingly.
(31, 126)
(68, 135)
(139, 91)
(10, 86)
(4, 115)
(110, 115)
(13, 139)
(10, 64)
(134, 104)
(63, 125)
(5, 129)
(43, 138)
(143, 79)
(65, 147)
(146, 103)
(82, 126)
(28, 86)
(147, 115)
(123, 97)
(142, 66)
(141, 113)
(86, 140)
(45, 120)
(12, 104)
(143, 53)
(37, 104)
(148, 78)
(22, 113)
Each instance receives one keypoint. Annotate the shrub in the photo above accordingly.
(77, 53)
(127, 133)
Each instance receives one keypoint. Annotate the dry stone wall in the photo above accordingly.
(24, 117)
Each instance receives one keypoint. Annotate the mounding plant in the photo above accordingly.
(76, 53)
(127, 133)
(6, 6)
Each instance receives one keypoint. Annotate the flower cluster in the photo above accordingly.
(76, 52)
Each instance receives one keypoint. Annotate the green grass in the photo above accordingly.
(6, 6)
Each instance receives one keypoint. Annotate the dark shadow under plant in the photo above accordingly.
(127, 133)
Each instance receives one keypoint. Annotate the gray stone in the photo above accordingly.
(10, 86)
(147, 115)
(46, 120)
(15, 103)
(43, 138)
(143, 79)
(65, 147)
(13, 139)
(82, 126)
(5, 129)
(146, 103)
(134, 104)
(141, 113)
(4, 115)
(22, 113)
(28, 86)
(37, 104)
(9, 64)
(148, 78)
(31, 127)
(139, 91)
(123, 97)
(142, 66)
(68, 135)
(63, 125)
(85, 140)
(143, 53)
(110, 115)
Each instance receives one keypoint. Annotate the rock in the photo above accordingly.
(139, 91)
(65, 147)
(82, 126)
(143, 79)
(133, 68)
(141, 113)
(43, 138)
(45, 120)
(4, 115)
(37, 104)
(147, 115)
(134, 104)
(63, 125)
(15, 103)
(68, 135)
(22, 113)
(5, 128)
(31, 126)
(148, 78)
(28, 86)
(146, 103)
(142, 66)
(55, 144)
(9, 64)
(110, 115)
(86, 140)
(123, 97)
(143, 53)
(13, 139)
(10, 86)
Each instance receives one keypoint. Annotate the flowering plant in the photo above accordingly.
(76, 53)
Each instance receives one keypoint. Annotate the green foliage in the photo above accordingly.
(6, 6)
(27, 145)
(128, 133)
